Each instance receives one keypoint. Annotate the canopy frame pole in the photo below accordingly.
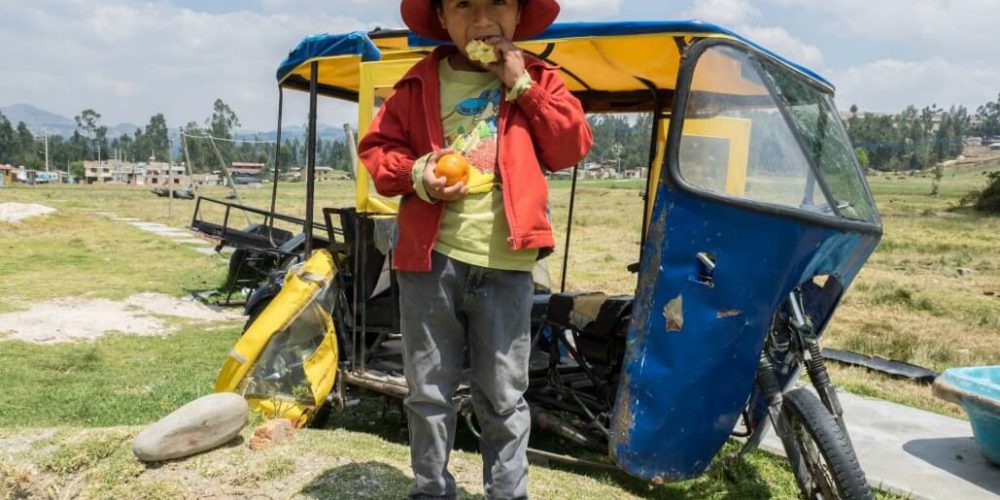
(311, 156)
(654, 139)
(277, 164)
(569, 228)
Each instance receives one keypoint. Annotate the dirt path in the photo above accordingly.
(72, 318)
(16, 212)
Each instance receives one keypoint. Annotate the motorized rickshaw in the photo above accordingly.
(757, 219)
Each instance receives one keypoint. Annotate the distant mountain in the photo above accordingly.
(292, 132)
(40, 121)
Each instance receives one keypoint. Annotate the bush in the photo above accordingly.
(989, 198)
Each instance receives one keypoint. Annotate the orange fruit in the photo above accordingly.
(452, 167)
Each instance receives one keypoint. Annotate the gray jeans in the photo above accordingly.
(453, 308)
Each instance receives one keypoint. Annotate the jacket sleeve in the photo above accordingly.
(386, 151)
(558, 125)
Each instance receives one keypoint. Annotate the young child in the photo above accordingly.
(465, 252)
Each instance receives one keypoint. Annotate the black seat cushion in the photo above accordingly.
(590, 313)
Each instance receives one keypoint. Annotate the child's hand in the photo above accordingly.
(510, 60)
(436, 186)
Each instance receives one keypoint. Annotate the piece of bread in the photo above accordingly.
(481, 52)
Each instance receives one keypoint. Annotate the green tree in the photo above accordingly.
(156, 137)
(76, 169)
(88, 122)
(988, 116)
(27, 149)
(989, 198)
(862, 155)
(8, 142)
(220, 126)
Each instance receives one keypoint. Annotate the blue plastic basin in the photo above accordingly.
(977, 390)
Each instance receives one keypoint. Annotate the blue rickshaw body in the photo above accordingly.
(685, 384)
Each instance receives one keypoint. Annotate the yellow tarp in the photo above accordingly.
(286, 361)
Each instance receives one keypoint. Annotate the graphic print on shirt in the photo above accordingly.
(478, 142)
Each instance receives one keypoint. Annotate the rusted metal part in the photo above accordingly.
(566, 459)
(674, 314)
(647, 279)
(382, 385)
(549, 421)
(623, 421)
(728, 313)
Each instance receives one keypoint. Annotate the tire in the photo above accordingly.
(819, 452)
(233, 274)
(255, 312)
(322, 416)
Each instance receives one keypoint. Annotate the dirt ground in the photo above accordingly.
(16, 212)
(75, 318)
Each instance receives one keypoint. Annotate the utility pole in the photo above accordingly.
(170, 176)
(187, 161)
(46, 150)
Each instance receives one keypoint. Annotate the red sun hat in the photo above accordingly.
(422, 19)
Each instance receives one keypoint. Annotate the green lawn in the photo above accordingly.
(911, 302)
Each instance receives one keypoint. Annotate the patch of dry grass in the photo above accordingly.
(336, 463)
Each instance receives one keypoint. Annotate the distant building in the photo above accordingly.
(43, 177)
(604, 170)
(123, 172)
(97, 172)
(212, 179)
(636, 173)
(7, 175)
(246, 173)
(157, 174)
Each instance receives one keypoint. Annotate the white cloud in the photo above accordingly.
(129, 60)
(944, 28)
(783, 43)
(725, 12)
(889, 85)
(588, 10)
(745, 17)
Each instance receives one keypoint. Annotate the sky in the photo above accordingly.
(131, 59)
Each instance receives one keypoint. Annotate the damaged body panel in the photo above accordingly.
(685, 389)
(752, 203)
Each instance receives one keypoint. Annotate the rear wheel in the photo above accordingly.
(819, 452)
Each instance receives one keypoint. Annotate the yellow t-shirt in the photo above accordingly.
(474, 229)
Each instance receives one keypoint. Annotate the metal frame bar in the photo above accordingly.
(807, 152)
(684, 82)
(277, 160)
(569, 229)
(311, 158)
(257, 211)
(654, 141)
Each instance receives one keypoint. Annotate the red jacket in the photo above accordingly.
(545, 126)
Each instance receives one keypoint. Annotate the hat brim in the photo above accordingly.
(420, 17)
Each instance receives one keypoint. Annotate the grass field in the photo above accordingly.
(929, 295)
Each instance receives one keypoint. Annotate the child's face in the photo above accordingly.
(468, 20)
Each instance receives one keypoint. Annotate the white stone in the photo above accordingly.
(205, 423)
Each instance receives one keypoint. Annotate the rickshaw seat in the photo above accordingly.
(593, 314)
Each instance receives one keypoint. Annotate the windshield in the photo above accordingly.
(776, 139)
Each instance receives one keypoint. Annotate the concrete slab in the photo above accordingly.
(913, 452)
(160, 229)
(205, 250)
(192, 241)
